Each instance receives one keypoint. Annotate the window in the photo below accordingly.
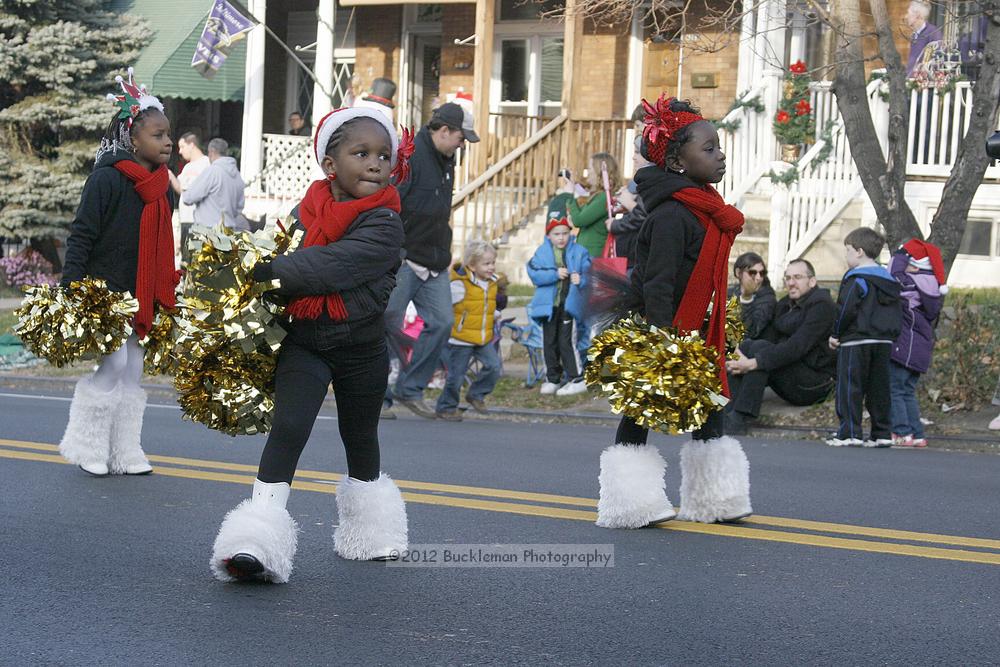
(550, 96)
(527, 10)
(530, 76)
(976, 238)
(428, 14)
(513, 71)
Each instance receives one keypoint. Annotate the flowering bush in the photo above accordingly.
(27, 268)
(794, 122)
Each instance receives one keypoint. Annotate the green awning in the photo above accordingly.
(165, 64)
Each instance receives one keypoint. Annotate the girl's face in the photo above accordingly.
(701, 157)
(151, 142)
(485, 266)
(752, 278)
(361, 162)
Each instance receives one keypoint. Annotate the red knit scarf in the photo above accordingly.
(155, 277)
(326, 220)
(722, 223)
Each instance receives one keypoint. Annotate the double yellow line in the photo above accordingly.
(767, 528)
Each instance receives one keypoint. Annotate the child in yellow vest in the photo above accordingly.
(476, 297)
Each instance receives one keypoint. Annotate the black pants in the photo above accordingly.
(863, 381)
(795, 383)
(630, 433)
(358, 374)
(559, 346)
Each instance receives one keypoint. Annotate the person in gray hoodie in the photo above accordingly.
(217, 194)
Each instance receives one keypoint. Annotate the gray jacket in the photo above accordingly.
(217, 196)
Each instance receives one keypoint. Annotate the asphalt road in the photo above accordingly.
(854, 557)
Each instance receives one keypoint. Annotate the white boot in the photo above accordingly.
(632, 488)
(87, 440)
(127, 457)
(372, 520)
(257, 539)
(715, 481)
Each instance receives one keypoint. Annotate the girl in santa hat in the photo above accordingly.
(681, 268)
(919, 269)
(122, 234)
(338, 282)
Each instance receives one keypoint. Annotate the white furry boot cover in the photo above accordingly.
(715, 481)
(87, 440)
(372, 520)
(127, 457)
(632, 487)
(260, 527)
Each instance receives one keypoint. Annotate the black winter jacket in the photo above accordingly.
(800, 333)
(757, 314)
(361, 266)
(667, 245)
(426, 198)
(626, 231)
(869, 306)
(104, 236)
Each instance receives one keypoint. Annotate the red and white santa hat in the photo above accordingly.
(402, 148)
(927, 256)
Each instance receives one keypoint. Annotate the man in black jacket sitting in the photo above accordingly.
(794, 358)
(423, 278)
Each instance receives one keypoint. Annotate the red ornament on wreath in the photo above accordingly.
(798, 67)
(782, 117)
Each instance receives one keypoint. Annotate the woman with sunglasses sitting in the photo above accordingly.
(756, 296)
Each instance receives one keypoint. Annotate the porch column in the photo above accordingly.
(483, 63)
(747, 68)
(253, 95)
(326, 19)
(775, 33)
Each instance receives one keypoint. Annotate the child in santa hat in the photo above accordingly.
(918, 268)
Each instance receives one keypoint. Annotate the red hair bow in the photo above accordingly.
(402, 170)
(661, 126)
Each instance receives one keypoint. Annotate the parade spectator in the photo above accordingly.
(590, 217)
(756, 296)
(380, 97)
(793, 358)
(189, 148)
(297, 126)
(218, 194)
(919, 270)
(558, 270)
(476, 297)
(869, 319)
(626, 228)
(423, 278)
(923, 34)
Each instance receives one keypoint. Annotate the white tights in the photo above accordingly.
(123, 365)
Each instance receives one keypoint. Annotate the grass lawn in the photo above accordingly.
(7, 320)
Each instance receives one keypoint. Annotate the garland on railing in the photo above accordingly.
(753, 104)
(791, 175)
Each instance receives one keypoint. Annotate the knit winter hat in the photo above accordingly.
(401, 149)
(661, 125)
(926, 256)
(556, 222)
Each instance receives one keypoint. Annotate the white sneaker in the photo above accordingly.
(572, 388)
(881, 442)
(549, 388)
(844, 442)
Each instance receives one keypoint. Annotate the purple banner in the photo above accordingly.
(226, 25)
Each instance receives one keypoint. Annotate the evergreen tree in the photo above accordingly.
(58, 60)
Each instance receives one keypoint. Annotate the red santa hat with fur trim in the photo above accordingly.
(927, 256)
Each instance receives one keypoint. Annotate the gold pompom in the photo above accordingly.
(735, 329)
(226, 334)
(160, 343)
(664, 380)
(84, 321)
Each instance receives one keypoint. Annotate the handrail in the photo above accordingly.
(483, 178)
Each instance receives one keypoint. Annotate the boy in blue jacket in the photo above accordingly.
(868, 321)
(559, 272)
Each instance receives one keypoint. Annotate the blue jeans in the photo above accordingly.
(905, 409)
(432, 297)
(457, 358)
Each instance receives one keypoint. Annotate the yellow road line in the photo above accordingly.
(553, 512)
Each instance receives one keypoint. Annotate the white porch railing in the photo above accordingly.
(749, 148)
(936, 128)
(289, 168)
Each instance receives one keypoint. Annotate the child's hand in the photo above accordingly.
(563, 273)
(834, 343)
(574, 278)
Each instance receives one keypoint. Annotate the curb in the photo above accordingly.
(975, 441)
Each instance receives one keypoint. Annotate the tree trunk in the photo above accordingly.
(971, 161)
(884, 178)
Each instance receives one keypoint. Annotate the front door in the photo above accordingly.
(424, 80)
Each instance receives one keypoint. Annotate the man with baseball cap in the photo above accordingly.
(423, 277)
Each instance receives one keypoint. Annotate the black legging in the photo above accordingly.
(358, 374)
(630, 433)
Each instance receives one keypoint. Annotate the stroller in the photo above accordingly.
(530, 336)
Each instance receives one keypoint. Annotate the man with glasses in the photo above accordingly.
(793, 358)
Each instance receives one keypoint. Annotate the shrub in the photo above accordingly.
(967, 356)
(28, 267)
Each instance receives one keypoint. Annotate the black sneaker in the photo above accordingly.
(244, 567)
(736, 423)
